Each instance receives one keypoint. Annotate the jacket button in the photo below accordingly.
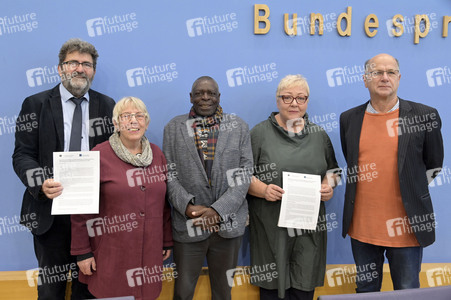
(142, 214)
(143, 188)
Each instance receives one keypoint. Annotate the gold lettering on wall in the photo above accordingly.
(371, 21)
(259, 19)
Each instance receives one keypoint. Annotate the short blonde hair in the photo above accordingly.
(292, 81)
(132, 101)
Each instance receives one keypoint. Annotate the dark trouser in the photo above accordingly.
(290, 294)
(404, 262)
(221, 254)
(52, 250)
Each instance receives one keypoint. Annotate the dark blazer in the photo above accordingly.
(419, 151)
(33, 152)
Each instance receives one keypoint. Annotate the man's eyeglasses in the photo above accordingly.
(380, 73)
(289, 99)
(128, 116)
(73, 64)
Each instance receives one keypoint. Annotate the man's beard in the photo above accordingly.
(77, 86)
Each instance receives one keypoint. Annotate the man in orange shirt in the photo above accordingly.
(393, 149)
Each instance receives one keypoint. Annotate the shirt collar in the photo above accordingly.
(370, 108)
(66, 95)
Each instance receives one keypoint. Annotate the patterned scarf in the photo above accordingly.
(206, 131)
(142, 160)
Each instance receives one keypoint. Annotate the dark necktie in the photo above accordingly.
(75, 134)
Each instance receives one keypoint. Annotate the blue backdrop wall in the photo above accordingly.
(155, 50)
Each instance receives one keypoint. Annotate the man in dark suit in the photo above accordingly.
(393, 149)
(70, 117)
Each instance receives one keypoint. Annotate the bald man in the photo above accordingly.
(393, 148)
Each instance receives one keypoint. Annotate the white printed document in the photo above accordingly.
(300, 202)
(79, 173)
